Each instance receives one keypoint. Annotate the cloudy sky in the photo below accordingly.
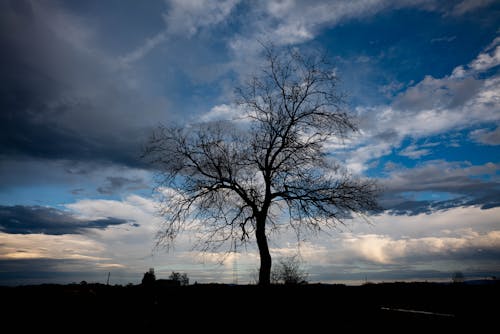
(84, 82)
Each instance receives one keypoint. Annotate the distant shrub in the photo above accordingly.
(183, 278)
(288, 271)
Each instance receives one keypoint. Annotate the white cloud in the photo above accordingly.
(291, 22)
(414, 152)
(133, 207)
(457, 239)
(390, 239)
(487, 60)
(444, 234)
(440, 175)
(487, 137)
(285, 22)
(224, 112)
(183, 18)
(446, 223)
(385, 250)
(128, 247)
(186, 17)
(357, 159)
(144, 49)
(421, 240)
(40, 246)
(466, 6)
(433, 106)
(391, 88)
(438, 94)
(131, 245)
(298, 21)
(492, 45)
(135, 246)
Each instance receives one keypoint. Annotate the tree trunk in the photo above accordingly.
(265, 256)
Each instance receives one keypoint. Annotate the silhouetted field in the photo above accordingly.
(397, 307)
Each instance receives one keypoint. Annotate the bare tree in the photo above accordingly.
(288, 271)
(234, 179)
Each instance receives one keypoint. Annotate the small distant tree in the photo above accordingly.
(149, 277)
(288, 270)
(183, 279)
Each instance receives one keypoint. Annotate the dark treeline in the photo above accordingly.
(223, 308)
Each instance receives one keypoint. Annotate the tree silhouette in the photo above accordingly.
(183, 279)
(149, 278)
(231, 180)
(288, 271)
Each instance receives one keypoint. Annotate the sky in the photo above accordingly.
(85, 82)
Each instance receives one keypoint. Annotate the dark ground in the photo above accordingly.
(222, 308)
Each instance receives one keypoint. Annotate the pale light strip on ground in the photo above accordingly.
(416, 311)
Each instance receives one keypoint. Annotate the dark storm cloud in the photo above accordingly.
(21, 135)
(82, 175)
(21, 219)
(36, 271)
(61, 98)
